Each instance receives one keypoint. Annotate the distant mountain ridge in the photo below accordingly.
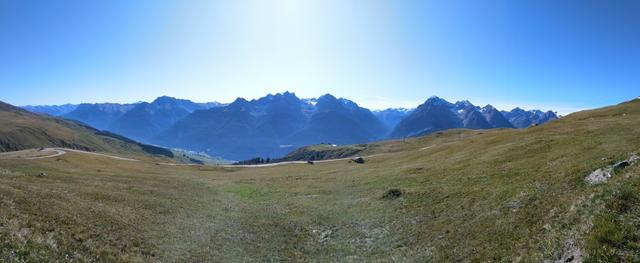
(434, 115)
(471, 116)
(146, 120)
(391, 116)
(52, 110)
(139, 120)
(521, 118)
(276, 124)
(437, 114)
(495, 117)
(98, 115)
(273, 126)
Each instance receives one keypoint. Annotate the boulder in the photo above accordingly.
(601, 175)
(621, 165)
(358, 160)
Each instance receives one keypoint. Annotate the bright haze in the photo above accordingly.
(559, 55)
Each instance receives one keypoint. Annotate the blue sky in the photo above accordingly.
(562, 55)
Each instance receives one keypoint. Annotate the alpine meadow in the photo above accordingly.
(319, 131)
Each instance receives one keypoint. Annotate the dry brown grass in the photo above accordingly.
(501, 195)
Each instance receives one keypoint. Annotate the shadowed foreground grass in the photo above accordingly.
(499, 195)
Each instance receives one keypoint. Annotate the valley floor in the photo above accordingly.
(499, 195)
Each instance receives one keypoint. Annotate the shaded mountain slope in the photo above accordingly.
(471, 116)
(98, 115)
(495, 117)
(20, 129)
(521, 118)
(272, 126)
(437, 114)
(339, 121)
(392, 116)
(146, 120)
(434, 115)
(229, 131)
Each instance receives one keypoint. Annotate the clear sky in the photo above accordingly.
(551, 54)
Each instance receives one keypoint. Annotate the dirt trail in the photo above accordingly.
(62, 151)
(29, 155)
(57, 152)
(33, 154)
(424, 148)
(103, 155)
(179, 164)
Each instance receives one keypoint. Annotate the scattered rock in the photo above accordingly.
(391, 194)
(13, 254)
(323, 234)
(571, 253)
(601, 175)
(628, 162)
(358, 160)
(621, 165)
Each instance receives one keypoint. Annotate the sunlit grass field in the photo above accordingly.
(494, 195)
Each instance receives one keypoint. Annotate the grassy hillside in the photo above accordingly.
(20, 129)
(323, 152)
(471, 196)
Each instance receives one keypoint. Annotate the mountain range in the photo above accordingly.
(98, 115)
(276, 124)
(391, 116)
(52, 110)
(437, 114)
(146, 120)
(273, 126)
(521, 118)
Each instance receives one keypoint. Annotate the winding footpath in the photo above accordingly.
(55, 153)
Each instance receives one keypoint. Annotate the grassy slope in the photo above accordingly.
(20, 129)
(323, 152)
(501, 195)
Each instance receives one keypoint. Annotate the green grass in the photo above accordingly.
(471, 196)
(248, 192)
(324, 152)
(615, 235)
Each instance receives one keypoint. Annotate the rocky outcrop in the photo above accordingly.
(601, 175)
